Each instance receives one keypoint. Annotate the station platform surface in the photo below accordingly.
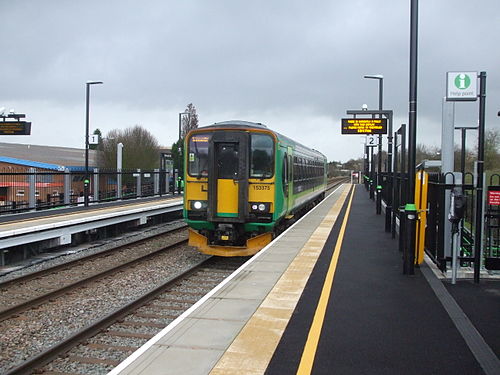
(329, 297)
(61, 223)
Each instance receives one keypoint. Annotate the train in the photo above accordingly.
(243, 183)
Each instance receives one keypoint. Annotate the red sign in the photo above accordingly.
(494, 197)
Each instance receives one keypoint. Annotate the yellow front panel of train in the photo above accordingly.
(261, 192)
(227, 197)
(195, 191)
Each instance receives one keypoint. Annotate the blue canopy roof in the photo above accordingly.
(30, 163)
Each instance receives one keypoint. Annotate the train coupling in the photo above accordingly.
(226, 233)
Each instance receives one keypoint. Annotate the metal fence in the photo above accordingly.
(492, 225)
(25, 189)
(437, 218)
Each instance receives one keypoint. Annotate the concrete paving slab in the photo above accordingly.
(163, 360)
(227, 309)
(252, 285)
(209, 334)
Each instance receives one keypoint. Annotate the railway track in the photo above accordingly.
(102, 345)
(28, 291)
(30, 330)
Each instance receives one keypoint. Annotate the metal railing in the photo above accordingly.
(28, 189)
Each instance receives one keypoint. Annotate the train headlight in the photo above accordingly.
(260, 207)
(198, 205)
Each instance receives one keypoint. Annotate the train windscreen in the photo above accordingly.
(261, 156)
(198, 155)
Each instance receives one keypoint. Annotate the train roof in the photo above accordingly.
(257, 125)
(236, 124)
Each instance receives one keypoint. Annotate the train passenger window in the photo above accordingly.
(227, 160)
(198, 155)
(261, 156)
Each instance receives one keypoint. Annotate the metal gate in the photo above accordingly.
(492, 225)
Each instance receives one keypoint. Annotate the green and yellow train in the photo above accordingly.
(243, 183)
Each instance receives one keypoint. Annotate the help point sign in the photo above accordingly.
(461, 86)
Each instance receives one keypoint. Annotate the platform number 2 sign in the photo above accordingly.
(371, 140)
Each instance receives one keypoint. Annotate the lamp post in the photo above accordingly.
(380, 79)
(86, 182)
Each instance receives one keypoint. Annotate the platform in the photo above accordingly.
(329, 297)
(61, 224)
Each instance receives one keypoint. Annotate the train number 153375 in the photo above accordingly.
(261, 187)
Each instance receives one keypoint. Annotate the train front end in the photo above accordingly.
(229, 193)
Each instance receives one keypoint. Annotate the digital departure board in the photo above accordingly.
(15, 128)
(364, 126)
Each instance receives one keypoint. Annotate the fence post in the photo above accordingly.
(96, 184)
(119, 187)
(32, 188)
(67, 186)
(138, 186)
(156, 181)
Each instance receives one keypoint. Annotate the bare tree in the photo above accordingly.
(189, 121)
(424, 152)
(140, 149)
(492, 150)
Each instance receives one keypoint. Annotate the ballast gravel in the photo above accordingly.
(35, 330)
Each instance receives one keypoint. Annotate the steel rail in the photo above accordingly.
(69, 343)
(61, 266)
(7, 313)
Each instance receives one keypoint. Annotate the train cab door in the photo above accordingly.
(228, 177)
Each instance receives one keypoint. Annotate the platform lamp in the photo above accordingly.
(86, 182)
(380, 79)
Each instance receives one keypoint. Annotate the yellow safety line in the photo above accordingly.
(307, 360)
(253, 347)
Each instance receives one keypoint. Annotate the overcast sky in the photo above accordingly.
(296, 66)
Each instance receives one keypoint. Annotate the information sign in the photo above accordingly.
(364, 126)
(494, 197)
(461, 86)
(15, 128)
